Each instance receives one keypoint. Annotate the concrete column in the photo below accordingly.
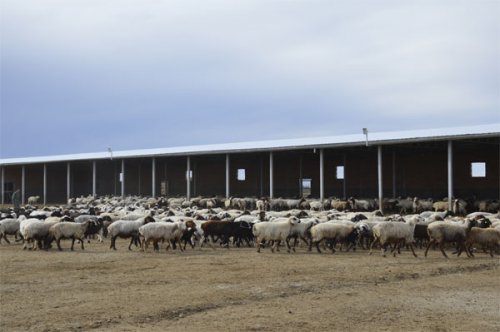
(153, 177)
(3, 185)
(44, 184)
(228, 193)
(450, 175)
(68, 181)
(23, 184)
(380, 184)
(188, 178)
(322, 174)
(123, 178)
(94, 179)
(271, 175)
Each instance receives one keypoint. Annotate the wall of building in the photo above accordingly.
(416, 169)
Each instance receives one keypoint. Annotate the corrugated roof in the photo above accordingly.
(375, 138)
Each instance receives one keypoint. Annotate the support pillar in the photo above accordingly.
(188, 178)
(227, 176)
(393, 174)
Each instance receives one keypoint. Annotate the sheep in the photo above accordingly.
(274, 231)
(336, 231)
(459, 207)
(396, 233)
(9, 226)
(486, 237)
(420, 205)
(441, 232)
(69, 230)
(37, 231)
(127, 229)
(440, 206)
(302, 230)
(405, 205)
(32, 200)
(158, 231)
(340, 205)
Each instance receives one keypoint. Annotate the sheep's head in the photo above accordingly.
(148, 219)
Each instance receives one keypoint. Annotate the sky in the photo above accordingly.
(84, 76)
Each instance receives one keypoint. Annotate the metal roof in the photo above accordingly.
(375, 138)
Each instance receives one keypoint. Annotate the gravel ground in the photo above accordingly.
(237, 289)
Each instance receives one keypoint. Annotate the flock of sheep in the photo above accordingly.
(333, 224)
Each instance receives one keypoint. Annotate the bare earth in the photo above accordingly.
(238, 289)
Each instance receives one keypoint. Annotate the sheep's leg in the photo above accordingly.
(317, 247)
(371, 246)
(81, 241)
(428, 246)
(113, 240)
(72, 243)
(288, 246)
(5, 238)
(383, 248)
(130, 244)
(211, 240)
(412, 250)
(259, 242)
(58, 242)
(441, 247)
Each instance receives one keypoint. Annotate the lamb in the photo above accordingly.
(336, 231)
(127, 229)
(396, 233)
(32, 200)
(274, 231)
(485, 237)
(441, 232)
(69, 230)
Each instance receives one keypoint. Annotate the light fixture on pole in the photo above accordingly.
(110, 154)
(365, 132)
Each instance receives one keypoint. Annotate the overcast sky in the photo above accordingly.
(82, 76)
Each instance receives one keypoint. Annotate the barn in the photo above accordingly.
(434, 163)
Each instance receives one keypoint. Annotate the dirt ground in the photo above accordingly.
(238, 289)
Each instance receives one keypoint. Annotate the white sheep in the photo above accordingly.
(485, 237)
(69, 230)
(335, 231)
(441, 232)
(274, 231)
(127, 229)
(9, 226)
(34, 230)
(158, 231)
(32, 200)
(396, 233)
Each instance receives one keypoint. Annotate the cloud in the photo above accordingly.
(159, 73)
